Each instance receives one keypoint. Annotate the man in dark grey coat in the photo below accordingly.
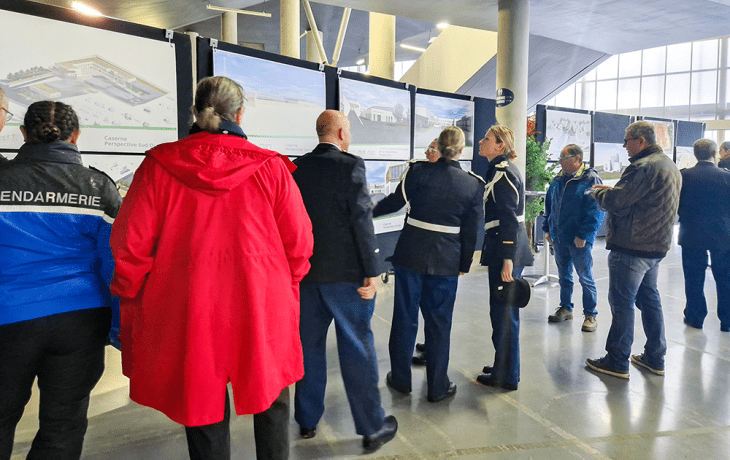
(340, 285)
(704, 226)
(641, 209)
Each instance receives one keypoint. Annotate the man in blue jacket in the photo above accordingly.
(704, 224)
(572, 219)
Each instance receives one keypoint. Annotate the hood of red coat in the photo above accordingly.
(213, 163)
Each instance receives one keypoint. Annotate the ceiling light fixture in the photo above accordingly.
(412, 48)
(431, 40)
(80, 7)
(360, 62)
(231, 10)
(442, 25)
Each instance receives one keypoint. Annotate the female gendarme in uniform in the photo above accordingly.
(434, 248)
(506, 251)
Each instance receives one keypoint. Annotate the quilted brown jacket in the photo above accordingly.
(642, 207)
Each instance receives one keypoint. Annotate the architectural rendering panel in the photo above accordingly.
(383, 178)
(380, 120)
(564, 128)
(123, 88)
(686, 157)
(610, 161)
(434, 113)
(664, 131)
(282, 101)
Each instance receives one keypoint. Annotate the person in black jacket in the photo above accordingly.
(434, 248)
(506, 251)
(704, 226)
(341, 284)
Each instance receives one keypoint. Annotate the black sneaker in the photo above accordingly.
(599, 365)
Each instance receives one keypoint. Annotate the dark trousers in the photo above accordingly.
(694, 265)
(66, 353)
(436, 296)
(270, 427)
(321, 304)
(505, 331)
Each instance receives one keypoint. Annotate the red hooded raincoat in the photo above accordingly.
(210, 245)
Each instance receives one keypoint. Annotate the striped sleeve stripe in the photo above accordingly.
(58, 210)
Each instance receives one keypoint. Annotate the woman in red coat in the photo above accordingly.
(210, 245)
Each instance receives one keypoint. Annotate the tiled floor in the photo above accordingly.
(560, 411)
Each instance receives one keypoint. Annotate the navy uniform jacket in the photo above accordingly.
(505, 236)
(704, 207)
(724, 163)
(445, 200)
(333, 186)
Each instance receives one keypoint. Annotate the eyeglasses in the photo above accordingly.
(566, 157)
(432, 150)
(8, 114)
(629, 139)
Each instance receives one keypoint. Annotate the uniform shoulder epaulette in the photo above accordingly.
(502, 165)
(472, 173)
(105, 174)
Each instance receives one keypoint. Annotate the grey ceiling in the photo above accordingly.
(568, 37)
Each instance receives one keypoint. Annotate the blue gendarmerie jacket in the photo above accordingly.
(55, 220)
(569, 211)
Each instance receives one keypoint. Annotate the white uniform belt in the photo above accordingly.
(495, 223)
(432, 227)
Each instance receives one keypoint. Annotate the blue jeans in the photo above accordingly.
(694, 265)
(633, 280)
(505, 331)
(320, 304)
(436, 296)
(567, 256)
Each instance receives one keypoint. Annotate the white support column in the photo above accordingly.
(229, 28)
(512, 62)
(382, 45)
(289, 28)
(312, 48)
(341, 36)
(722, 91)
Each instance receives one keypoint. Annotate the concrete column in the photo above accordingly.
(512, 60)
(312, 48)
(289, 27)
(382, 45)
(229, 28)
(722, 88)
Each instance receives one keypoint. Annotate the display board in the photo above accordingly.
(380, 119)
(383, 178)
(686, 157)
(126, 101)
(563, 128)
(434, 113)
(664, 132)
(609, 161)
(282, 101)
(688, 132)
(610, 127)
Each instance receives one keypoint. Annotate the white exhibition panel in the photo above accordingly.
(563, 128)
(123, 87)
(383, 178)
(434, 113)
(380, 120)
(282, 101)
(664, 132)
